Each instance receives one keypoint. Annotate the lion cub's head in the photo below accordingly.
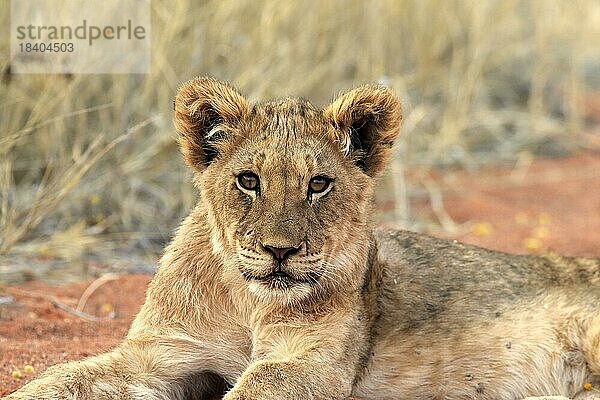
(287, 187)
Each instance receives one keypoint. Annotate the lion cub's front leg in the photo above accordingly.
(312, 360)
(291, 379)
(99, 377)
(71, 380)
(141, 368)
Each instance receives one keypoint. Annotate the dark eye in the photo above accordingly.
(318, 184)
(248, 181)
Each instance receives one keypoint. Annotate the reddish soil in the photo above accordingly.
(551, 204)
(34, 332)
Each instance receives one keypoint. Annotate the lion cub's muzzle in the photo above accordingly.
(279, 271)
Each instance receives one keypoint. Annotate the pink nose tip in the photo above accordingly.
(281, 253)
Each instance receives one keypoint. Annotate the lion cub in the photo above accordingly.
(277, 287)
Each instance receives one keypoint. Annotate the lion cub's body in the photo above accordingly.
(464, 322)
(276, 286)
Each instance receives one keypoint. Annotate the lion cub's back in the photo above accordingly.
(429, 280)
(437, 271)
(442, 271)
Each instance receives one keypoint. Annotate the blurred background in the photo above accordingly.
(501, 117)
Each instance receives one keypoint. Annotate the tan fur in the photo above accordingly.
(374, 314)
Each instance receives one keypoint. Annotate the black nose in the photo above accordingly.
(281, 253)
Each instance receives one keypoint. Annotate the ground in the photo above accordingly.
(546, 205)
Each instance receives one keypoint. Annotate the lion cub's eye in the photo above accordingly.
(318, 184)
(248, 181)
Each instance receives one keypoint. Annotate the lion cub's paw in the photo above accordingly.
(40, 392)
(58, 383)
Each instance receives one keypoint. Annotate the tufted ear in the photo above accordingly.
(367, 121)
(204, 110)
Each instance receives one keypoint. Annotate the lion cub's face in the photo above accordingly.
(287, 187)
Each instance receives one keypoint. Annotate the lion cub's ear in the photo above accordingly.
(205, 109)
(367, 120)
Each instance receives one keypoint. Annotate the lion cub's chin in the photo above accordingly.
(289, 294)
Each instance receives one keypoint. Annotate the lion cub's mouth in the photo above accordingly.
(280, 279)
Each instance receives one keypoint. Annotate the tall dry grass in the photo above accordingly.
(87, 160)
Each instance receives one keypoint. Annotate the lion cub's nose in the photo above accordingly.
(281, 253)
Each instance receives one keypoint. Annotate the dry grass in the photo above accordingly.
(89, 159)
